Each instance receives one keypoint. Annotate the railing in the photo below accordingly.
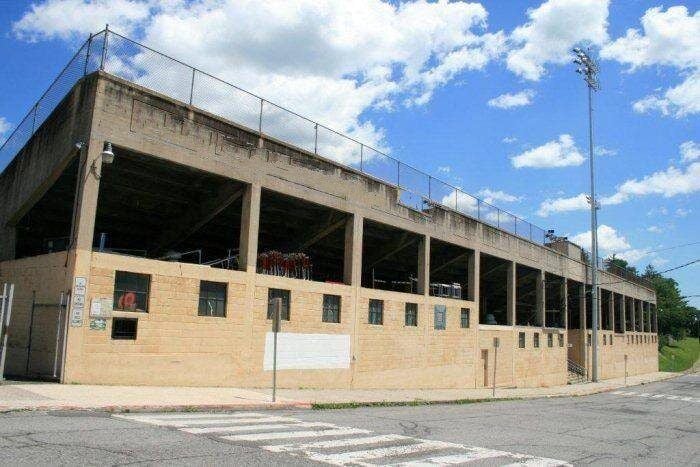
(137, 63)
(574, 367)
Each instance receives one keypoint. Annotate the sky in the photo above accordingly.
(482, 95)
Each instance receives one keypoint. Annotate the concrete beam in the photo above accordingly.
(424, 265)
(352, 263)
(511, 291)
(250, 224)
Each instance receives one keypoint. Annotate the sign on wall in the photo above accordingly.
(308, 351)
(78, 302)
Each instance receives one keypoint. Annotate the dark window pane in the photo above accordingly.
(536, 340)
(278, 293)
(212, 299)
(464, 317)
(331, 309)
(131, 291)
(124, 328)
(521, 340)
(376, 311)
(411, 318)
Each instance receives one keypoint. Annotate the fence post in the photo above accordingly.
(478, 208)
(498, 218)
(34, 117)
(194, 70)
(87, 55)
(398, 173)
(316, 139)
(530, 230)
(260, 133)
(429, 188)
(104, 48)
(362, 150)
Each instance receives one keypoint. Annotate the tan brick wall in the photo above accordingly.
(43, 275)
(642, 357)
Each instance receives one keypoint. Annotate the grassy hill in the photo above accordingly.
(679, 356)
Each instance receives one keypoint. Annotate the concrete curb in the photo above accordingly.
(158, 408)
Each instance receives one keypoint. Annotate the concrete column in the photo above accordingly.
(633, 314)
(623, 315)
(250, 223)
(352, 264)
(640, 315)
(424, 265)
(582, 305)
(612, 311)
(540, 297)
(511, 294)
(648, 311)
(565, 302)
(473, 279)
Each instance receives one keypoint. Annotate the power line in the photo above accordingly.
(679, 267)
(674, 247)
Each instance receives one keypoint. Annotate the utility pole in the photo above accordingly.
(589, 69)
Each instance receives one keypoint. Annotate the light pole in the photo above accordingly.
(589, 70)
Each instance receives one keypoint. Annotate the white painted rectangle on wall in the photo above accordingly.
(308, 351)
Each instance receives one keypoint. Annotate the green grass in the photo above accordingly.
(679, 356)
(417, 402)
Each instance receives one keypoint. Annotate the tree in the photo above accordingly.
(675, 316)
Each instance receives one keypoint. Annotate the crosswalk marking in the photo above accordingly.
(338, 443)
(348, 457)
(647, 395)
(343, 445)
(296, 434)
(235, 429)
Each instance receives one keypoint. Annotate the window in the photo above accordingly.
(331, 309)
(536, 340)
(550, 340)
(561, 340)
(611, 339)
(124, 328)
(589, 339)
(212, 299)
(464, 317)
(440, 313)
(411, 314)
(605, 339)
(376, 311)
(131, 291)
(521, 340)
(278, 293)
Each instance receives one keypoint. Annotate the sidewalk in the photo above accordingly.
(52, 396)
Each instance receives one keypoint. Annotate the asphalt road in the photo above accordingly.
(653, 424)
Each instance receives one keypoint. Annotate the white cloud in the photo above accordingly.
(574, 203)
(66, 19)
(669, 38)
(444, 169)
(690, 150)
(604, 152)
(553, 28)
(331, 60)
(667, 183)
(557, 153)
(508, 100)
(5, 128)
(655, 229)
(496, 196)
(681, 212)
(509, 139)
(609, 240)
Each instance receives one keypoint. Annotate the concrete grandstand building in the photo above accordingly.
(156, 266)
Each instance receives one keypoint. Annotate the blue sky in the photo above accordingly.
(423, 80)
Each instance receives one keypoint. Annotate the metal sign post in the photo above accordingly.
(276, 315)
(8, 292)
(495, 358)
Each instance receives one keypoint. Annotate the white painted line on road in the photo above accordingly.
(658, 396)
(529, 461)
(296, 434)
(336, 443)
(223, 421)
(189, 416)
(473, 455)
(263, 427)
(348, 457)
